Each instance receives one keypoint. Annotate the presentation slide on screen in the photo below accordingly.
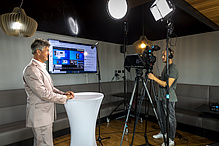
(69, 57)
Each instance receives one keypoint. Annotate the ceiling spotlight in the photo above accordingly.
(161, 8)
(117, 9)
(17, 23)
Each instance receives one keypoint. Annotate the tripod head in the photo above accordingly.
(139, 72)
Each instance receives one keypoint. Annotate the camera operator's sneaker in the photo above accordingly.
(171, 143)
(159, 136)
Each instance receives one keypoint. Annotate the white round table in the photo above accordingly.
(82, 113)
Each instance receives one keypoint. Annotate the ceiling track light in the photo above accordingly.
(17, 23)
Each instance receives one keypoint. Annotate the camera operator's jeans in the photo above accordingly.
(172, 117)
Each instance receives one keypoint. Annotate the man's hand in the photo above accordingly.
(151, 76)
(69, 94)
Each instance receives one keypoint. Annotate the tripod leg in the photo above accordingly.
(153, 107)
(137, 114)
(146, 118)
(137, 117)
(129, 108)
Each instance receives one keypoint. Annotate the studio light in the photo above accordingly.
(17, 23)
(117, 9)
(161, 8)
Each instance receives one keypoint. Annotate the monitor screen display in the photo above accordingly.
(70, 57)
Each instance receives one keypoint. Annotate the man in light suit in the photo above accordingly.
(41, 95)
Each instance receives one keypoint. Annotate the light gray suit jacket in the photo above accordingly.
(41, 95)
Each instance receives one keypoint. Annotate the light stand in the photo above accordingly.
(99, 139)
(169, 32)
(125, 42)
(160, 9)
(124, 78)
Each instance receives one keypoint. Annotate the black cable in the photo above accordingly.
(182, 138)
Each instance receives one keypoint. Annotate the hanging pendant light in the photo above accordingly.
(17, 23)
(141, 44)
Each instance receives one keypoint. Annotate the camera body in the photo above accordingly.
(148, 57)
(145, 60)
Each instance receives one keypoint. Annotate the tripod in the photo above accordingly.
(139, 77)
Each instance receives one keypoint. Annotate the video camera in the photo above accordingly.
(145, 60)
(148, 57)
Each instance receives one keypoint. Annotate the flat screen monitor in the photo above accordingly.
(70, 57)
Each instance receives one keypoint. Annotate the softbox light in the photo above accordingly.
(161, 8)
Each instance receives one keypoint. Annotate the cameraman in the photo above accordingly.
(173, 76)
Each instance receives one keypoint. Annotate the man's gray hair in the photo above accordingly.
(39, 44)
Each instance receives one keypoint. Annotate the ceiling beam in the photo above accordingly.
(196, 14)
(135, 3)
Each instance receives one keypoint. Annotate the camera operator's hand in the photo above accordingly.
(151, 76)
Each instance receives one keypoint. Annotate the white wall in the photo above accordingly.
(196, 56)
(16, 54)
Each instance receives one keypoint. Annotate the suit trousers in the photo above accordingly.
(43, 135)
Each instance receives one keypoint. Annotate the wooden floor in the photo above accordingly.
(114, 130)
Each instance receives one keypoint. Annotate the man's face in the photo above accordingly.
(164, 53)
(44, 54)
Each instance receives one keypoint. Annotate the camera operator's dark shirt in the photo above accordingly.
(173, 73)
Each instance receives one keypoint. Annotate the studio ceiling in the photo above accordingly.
(190, 17)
